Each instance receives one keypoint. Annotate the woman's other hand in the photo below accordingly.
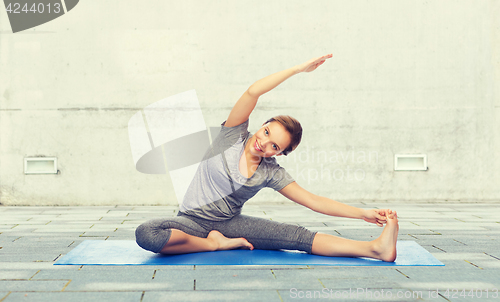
(312, 64)
(377, 216)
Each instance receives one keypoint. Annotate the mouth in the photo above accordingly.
(256, 146)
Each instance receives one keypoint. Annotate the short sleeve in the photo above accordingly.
(280, 179)
(235, 133)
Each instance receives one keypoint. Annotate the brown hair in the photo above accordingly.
(292, 126)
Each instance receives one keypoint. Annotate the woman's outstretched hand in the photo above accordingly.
(312, 64)
(377, 216)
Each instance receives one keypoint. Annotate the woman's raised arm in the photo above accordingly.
(245, 105)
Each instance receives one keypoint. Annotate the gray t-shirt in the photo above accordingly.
(218, 190)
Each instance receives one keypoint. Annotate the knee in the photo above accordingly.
(151, 236)
(143, 235)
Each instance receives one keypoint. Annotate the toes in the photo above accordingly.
(247, 244)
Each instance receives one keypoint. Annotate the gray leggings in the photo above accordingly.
(261, 233)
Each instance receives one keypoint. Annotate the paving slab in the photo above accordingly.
(116, 286)
(18, 274)
(33, 285)
(75, 296)
(213, 295)
(35, 257)
(334, 273)
(99, 273)
(450, 274)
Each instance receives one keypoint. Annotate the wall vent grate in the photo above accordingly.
(410, 162)
(40, 165)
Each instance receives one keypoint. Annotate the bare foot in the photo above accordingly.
(385, 245)
(224, 243)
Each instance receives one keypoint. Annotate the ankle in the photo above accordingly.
(213, 244)
(376, 248)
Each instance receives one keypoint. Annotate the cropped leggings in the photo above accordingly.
(261, 233)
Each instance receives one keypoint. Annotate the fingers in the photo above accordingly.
(382, 214)
(328, 56)
(314, 63)
(322, 59)
(392, 214)
(318, 64)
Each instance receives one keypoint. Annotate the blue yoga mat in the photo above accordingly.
(127, 252)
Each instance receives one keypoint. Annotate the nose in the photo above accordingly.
(264, 143)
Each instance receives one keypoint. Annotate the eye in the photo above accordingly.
(265, 131)
(274, 147)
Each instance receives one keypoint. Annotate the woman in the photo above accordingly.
(234, 169)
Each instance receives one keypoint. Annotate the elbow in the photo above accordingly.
(253, 92)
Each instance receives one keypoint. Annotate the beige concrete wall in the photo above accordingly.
(406, 77)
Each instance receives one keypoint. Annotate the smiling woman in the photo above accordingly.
(294, 129)
(237, 166)
(277, 137)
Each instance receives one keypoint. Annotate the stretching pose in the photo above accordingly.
(236, 166)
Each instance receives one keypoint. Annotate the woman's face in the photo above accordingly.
(271, 139)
